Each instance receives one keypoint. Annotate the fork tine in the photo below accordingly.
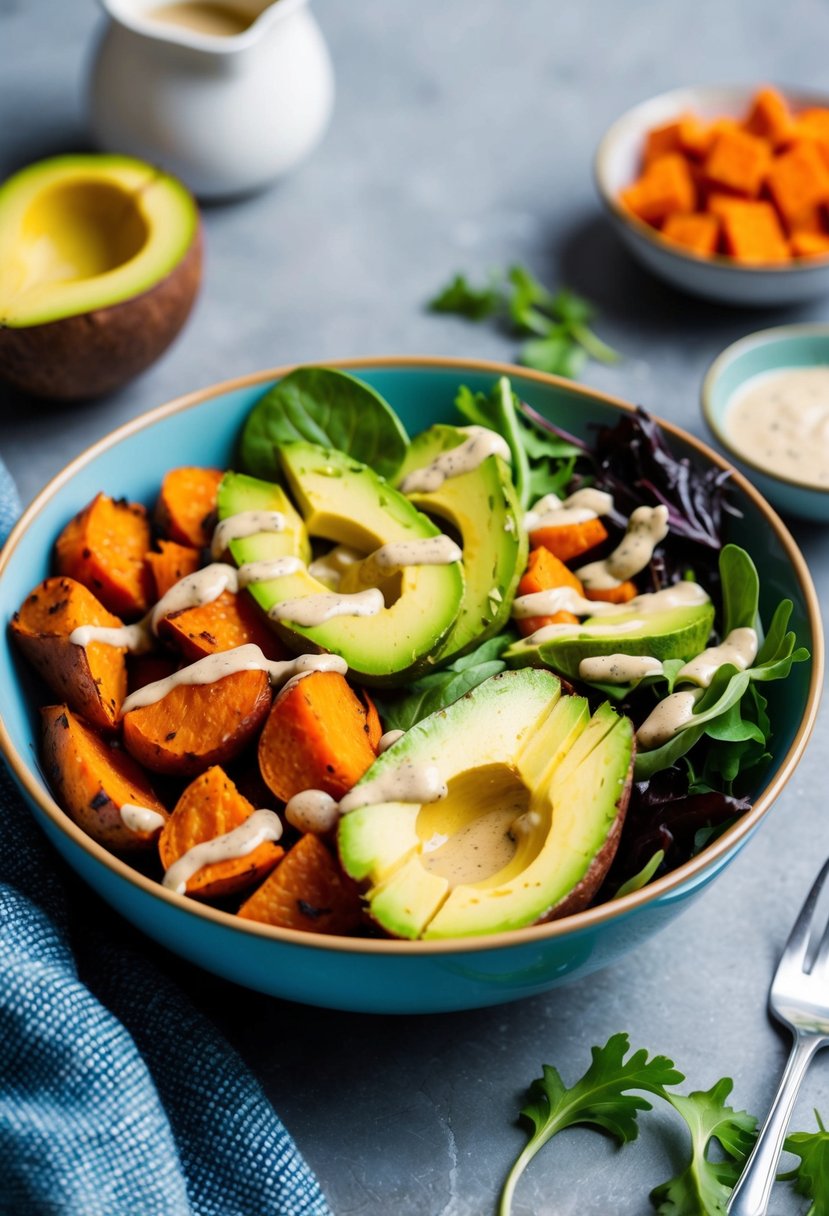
(797, 946)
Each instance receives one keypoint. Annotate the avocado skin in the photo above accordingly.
(580, 769)
(483, 508)
(93, 353)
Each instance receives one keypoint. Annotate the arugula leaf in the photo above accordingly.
(600, 1098)
(637, 881)
(425, 696)
(703, 1188)
(459, 297)
(328, 407)
(811, 1176)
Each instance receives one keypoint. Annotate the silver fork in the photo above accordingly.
(799, 998)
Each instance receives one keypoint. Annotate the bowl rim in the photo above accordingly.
(759, 337)
(653, 236)
(588, 919)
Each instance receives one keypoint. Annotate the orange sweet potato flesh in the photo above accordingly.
(92, 679)
(92, 780)
(752, 233)
(667, 185)
(622, 594)
(544, 572)
(229, 621)
(195, 726)
(798, 181)
(770, 117)
(186, 507)
(696, 231)
(210, 806)
(809, 244)
(172, 563)
(738, 162)
(373, 726)
(315, 738)
(570, 540)
(103, 547)
(306, 891)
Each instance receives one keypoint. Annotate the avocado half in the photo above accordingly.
(100, 262)
(537, 794)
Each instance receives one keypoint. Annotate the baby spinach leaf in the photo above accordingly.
(325, 406)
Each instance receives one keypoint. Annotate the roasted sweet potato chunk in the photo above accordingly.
(570, 540)
(186, 507)
(309, 891)
(544, 573)
(229, 621)
(93, 780)
(316, 737)
(667, 185)
(212, 806)
(103, 547)
(197, 725)
(171, 563)
(92, 679)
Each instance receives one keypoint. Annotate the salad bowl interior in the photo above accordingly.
(368, 974)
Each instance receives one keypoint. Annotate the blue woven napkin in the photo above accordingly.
(117, 1097)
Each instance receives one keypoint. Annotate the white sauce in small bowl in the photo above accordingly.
(779, 420)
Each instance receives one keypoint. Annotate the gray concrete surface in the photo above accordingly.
(462, 139)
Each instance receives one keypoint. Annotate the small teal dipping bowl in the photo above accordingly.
(766, 351)
(368, 975)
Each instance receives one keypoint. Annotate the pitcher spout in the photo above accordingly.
(214, 27)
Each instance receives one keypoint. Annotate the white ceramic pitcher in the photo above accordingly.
(226, 114)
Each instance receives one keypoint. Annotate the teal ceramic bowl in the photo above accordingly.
(359, 974)
(765, 351)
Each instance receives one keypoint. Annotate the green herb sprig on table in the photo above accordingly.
(555, 324)
(608, 1098)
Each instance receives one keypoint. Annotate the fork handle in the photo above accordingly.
(753, 1191)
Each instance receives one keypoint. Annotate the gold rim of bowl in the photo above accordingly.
(592, 917)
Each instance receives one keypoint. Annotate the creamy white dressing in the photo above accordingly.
(308, 611)
(408, 782)
(263, 571)
(580, 506)
(619, 668)
(312, 811)
(215, 667)
(670, 716)
(567, 599)
(242, 524)
(140, 818)
(330, 568)
(640, 607)
(556, 599)
(467, 456)
(647, 526)
(739, 649)
(780, 420)
(258, 828)
(397, 555)
(137, 638)
(202, 587)
(389, 739)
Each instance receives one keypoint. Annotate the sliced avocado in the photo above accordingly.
(238, 492)
(483, 508)
(346, 502)
(536, 796)
(674, 633)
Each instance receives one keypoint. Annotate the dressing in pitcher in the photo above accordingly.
(226, 95)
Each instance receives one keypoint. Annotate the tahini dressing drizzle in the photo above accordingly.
(262, 825)
(457, 461)
(647, 526)
(780, 420)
